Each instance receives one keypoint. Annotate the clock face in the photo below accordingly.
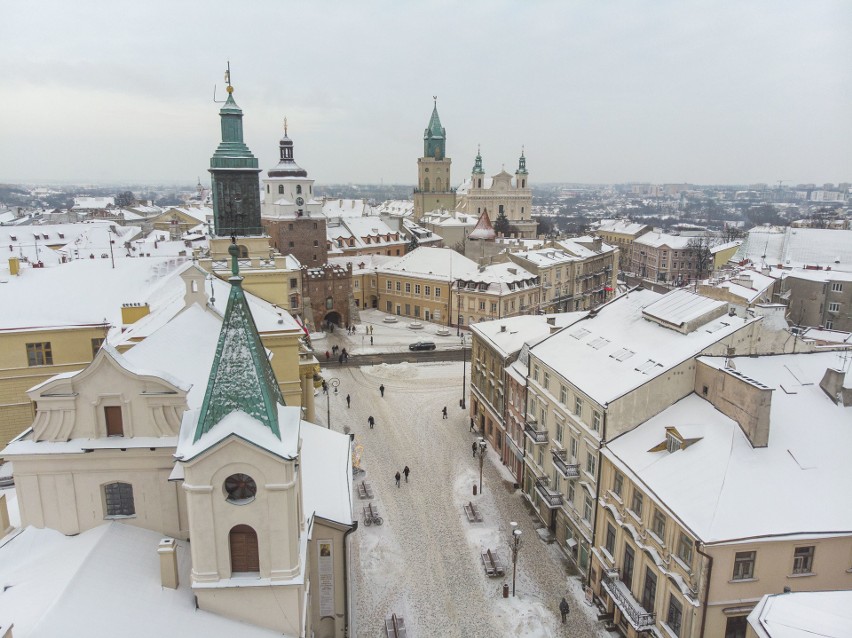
(300, 201)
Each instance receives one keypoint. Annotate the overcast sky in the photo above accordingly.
(661, 91)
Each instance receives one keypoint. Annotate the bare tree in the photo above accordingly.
(701, 255)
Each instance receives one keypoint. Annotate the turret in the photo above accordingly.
(477, 173)
(435, 136)
(521, 175)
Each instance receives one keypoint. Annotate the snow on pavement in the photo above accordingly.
(424, 562)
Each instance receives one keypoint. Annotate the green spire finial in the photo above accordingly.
(477, 165)
(522, 163)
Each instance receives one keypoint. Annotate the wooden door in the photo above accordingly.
(244, 554)
(114, 425)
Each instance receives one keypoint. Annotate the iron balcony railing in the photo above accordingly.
(551, 499)
(629, 606)
(536, 436)
(566, 469)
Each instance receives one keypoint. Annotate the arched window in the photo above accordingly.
(479, 183)
(438, 184)
(523, 183)
(298, 189)
(118, 499)
(267, 188)
(426, 184)
(244, 554)
(280, 189)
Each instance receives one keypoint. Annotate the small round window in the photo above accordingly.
(240, 489)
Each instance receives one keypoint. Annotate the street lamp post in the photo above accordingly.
(516, 545)
(464, 373)
(482, 446)
(333, 382)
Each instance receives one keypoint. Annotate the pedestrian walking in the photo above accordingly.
(444, 412)
(371, 421)
(564, 609)
(327, 355)
(371, 339)
(347, 401)
(397, 479)
(471, 424)
(406, 471)
(473, 447)
(340, 359)
(324, 387)
(382, 389)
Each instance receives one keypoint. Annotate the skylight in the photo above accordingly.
(622, 355)
(579, 334)
(598, 343)
(646, 367)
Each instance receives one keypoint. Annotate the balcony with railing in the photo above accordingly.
(566, 469)
(550, 498)
(632, 609)
(534, 432)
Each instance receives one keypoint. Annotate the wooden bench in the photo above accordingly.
(371, 515)
(364, 490)
(395, 626)
(493, 566)
(473, 514)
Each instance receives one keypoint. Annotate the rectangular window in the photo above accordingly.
(636, 503)
(398, 286)
(112, 416)
(407, 310)
(389, 306)
(535, 373)
(659, 525)
(541, 456)
(416, 289)
(578, 406)
(482, 305)
(610, 539)
(97, 342)
(39, 354)
(684, 549)
(836, 287)
(744, 566)
(493, 308)
(674, 618)
(587, 508)
(571, 493)
(437, 292)
(803, 560)
(294, 283)
(427, 290)
(563, 395)
(834, 307)
(118, 498)
(407, 287)
(618, 483)
(591, 461)
(596, 421)
(389, 284)
(627, 569)
(649, 591)
(559, 432)
(574, 448)
(546, 381)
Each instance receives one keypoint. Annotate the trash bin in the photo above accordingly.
(505, 590)
(474, 489)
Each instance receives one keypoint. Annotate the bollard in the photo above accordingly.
(474, 489)
(505, 590)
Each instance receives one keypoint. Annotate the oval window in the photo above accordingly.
(240, 489)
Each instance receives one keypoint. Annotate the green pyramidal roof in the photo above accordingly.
(241, 377)
(435, 129)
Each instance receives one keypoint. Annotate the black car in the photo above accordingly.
(422, 345)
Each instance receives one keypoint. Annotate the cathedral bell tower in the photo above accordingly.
(433, 189)
(234, 171)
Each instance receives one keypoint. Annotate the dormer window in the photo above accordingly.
(298, 189)
(280, 189)
(673, 441)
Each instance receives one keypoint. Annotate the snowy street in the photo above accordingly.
(424, 562)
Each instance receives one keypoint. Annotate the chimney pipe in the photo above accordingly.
(168, 563)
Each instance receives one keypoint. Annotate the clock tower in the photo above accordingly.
(433, 189)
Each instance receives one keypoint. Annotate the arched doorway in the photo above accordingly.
(243, 544)
(332, 317)
(374, 302)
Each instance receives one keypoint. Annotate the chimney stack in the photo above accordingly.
(5, 524)
(833, 385)
(168, 563)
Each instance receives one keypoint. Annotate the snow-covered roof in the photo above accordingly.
(657, 240)
(86, 203)
(371, 262)
(714, 485)
(501, 278)
(326, 467)
(622, 226)
(803, 614)
(821, 276)
(267, 317)
(618, 349)
(448, 218)
(720, 247)
(87, 291)
(199, 213)
(828, 336)
(583, 246)
(797, 247)
(434, 263)
(546, 257)
(682, 306)
(49, 243)
(346, 208)
(55, 583)
(400, 207)
(507, 336)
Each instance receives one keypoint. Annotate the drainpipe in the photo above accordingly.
(597, 493)
(706, 588)
(348, 572)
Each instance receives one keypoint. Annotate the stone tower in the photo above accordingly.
(234, 171)
(433, 189)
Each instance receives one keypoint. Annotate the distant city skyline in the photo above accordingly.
(705, 93)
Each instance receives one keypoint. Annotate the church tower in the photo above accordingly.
(433, 189)
(239, 458)
(234, 171)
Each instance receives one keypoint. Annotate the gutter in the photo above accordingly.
(706, 588)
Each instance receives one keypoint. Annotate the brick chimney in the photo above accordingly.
(833, 385)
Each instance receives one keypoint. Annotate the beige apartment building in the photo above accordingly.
(710, 505)
(621, 233)
(674, 259)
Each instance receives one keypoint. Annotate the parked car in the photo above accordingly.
(422, 345)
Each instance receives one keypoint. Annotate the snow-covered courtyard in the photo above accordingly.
(424, 562)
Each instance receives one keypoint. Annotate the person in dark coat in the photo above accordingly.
(324, 387)
(348, 401)
(327, 355)
(371, 421)
(473, 447)
(406, 472)
(340, 359)
(564, 609)
(444, 412)
(397, 477)
(382, 389)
